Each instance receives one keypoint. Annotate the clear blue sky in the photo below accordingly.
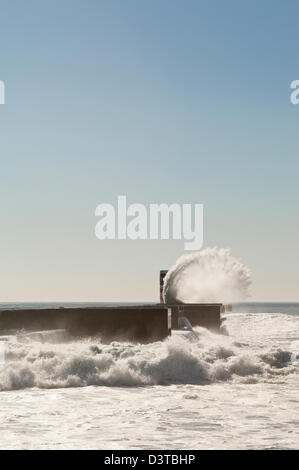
(164, 101)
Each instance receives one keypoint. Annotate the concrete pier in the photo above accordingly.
(142, 323)
(132, 323)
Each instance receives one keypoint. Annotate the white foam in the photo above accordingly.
(181, 359)
(210, 275)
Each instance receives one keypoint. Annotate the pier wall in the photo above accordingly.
(144, 323)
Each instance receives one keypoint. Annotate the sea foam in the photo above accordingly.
(210, 275)
(181, 359)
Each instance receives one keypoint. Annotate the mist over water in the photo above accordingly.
(210, 275)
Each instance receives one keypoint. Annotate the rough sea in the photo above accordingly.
(234, 391)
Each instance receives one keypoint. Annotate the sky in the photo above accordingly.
(184, 101)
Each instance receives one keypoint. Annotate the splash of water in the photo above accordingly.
(210, 275)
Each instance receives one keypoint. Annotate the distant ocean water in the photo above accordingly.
(225, 392)
(245, 307)
(267, 307)
(20, 305)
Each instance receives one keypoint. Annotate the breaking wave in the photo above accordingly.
(210, 275)
(181, 359)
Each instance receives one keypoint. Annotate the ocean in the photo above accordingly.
(234, 391)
